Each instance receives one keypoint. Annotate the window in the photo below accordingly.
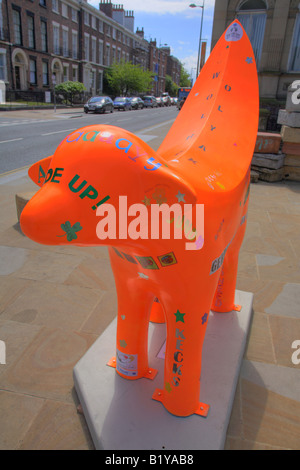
(101, 52)
(1, 22)
(44, 36)
(66, 73)
(56, 48)
(114, 54)
(43, 3)
(101, 26)
(294, 60)
(17, 27)
(86, 46)
(32, 69)
(74, 14)
(94, 25)
(74, 44)
(108, 30)
(65, 37)
(107, 54)
(92, 78)
(93, 49)
(30, 28)
(55, 6)
(253, 5)
(252, 15)
(100, 81)
(45, 73)
(114, 33)
(64, 10)
(75, 74)
(86, 18)
(3, 72)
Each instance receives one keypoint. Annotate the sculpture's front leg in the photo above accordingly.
(134, 307)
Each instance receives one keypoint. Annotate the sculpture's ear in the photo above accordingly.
(38, 171)
(165, 185)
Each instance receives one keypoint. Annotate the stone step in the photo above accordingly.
(291, 148)
(267, 174)
(292, 160)
(290, 134)
(268, 160)
(291, 173)
(288, 119)
(267, 142)
(21, 201)
(254, 175)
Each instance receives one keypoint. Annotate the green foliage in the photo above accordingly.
(124, 78)
(70, 89)
(185, 79)
(171, 86)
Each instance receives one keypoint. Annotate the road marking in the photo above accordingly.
(11, 140)
(156, 126)
(58, 132)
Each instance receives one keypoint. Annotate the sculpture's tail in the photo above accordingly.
(217, 126)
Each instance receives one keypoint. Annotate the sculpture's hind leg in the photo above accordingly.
(224, 296)
(157, 313)
(186, 325)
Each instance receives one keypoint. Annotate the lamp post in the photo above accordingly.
(193, 5)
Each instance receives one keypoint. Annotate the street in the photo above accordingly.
(25, 140)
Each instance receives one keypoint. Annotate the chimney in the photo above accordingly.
(106, 7)
(129, 20)
(140, 32)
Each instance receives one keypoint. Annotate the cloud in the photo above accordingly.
(160, 7)
(189, 62)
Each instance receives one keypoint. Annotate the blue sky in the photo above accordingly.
(172, 22)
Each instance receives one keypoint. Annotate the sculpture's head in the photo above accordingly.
(93, 166)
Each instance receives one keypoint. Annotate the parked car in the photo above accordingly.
(136, 102)
(150, 101)
(166, 99)
(99, 104)
(122, 103)
(159, 101)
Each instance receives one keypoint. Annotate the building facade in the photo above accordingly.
(273, 27)
(46, 42)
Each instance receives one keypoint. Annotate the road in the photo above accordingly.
(25, 140)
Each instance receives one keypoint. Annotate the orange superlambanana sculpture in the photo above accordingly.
(101, 185)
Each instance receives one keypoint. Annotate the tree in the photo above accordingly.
(170, 86)
(185, 79)
(70, 89)
(124, 78)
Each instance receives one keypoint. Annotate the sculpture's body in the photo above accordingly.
(205, 159)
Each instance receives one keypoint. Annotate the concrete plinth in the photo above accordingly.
(121, 414)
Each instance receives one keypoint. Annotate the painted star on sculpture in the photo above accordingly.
(204, 318)
(249, 60)
(179, 316)
(180, 196)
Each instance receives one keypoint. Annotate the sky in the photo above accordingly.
(173, 23)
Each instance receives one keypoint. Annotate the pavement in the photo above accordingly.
(59, 113)
(56, 301)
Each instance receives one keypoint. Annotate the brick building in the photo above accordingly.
(46, 42)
